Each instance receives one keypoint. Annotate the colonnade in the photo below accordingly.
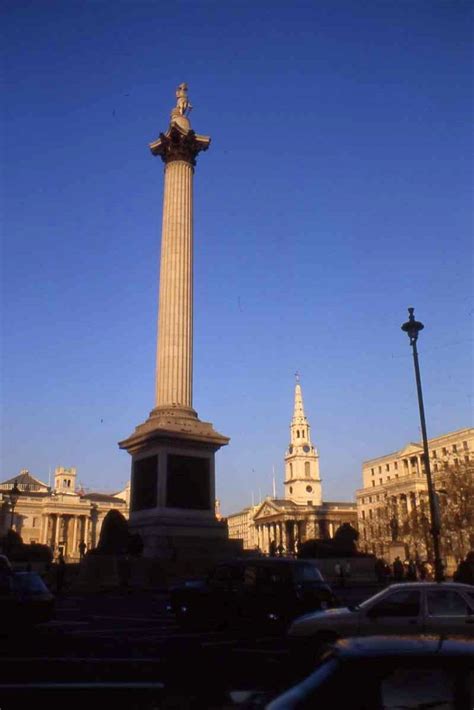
(285, 533)
(68, 531)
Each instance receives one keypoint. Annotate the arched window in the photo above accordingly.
(302, 433)
(291, 470)
(297, 433)
(307, 472)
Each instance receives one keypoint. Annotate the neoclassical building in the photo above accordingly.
(302, 514)
(395, 490)
(60, 516)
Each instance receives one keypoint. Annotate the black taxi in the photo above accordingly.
(265, 592)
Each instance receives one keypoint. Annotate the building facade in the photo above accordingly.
(393, 504)
(61, 516)
(241, 527)
(302, 514)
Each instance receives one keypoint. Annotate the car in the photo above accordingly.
(407, 608)
(388, 672)
(263, 592)
(25, 600)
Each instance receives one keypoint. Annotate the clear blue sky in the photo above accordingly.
(335, 194)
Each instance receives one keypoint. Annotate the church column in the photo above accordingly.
(74, 549)
(57, 522)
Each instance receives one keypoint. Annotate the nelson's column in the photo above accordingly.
(173, 479)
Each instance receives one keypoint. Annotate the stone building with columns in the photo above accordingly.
(60, 516)
(302, 514)
(395, 488)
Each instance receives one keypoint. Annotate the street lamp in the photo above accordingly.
(13, 496)
(412, 327)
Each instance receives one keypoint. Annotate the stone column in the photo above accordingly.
(175, 320)
(57, 522)
(44, 530)
(74, 537)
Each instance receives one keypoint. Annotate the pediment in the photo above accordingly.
(411, 449)
(265, 510)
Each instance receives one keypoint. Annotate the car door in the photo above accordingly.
(222, 592)
(398, 612)
(447, 611)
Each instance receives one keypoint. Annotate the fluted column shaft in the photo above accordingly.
(174, 361)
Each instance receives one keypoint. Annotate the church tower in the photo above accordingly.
(302, 481)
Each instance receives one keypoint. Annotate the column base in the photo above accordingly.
(173, 485)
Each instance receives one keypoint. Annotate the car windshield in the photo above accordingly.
(308, 573)
(370, 600)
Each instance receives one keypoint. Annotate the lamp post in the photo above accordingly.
(13, 497)
(412, 327)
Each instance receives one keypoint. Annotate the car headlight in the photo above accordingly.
(272, 617)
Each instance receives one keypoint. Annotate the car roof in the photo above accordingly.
(396, 646)
(432, 585)
(263, 561)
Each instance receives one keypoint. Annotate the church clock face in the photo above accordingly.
(306, 449)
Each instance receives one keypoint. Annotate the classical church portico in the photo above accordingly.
(302, 514)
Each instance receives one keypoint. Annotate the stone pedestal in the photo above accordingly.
(172, 502)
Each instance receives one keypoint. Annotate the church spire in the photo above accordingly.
(299, 409)
(302, 479)
(299, 428)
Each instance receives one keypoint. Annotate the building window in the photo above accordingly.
(456, 462)
(309, 489)
(433, 453)
(302, 433)
(307, 472)
(291, 489)
(291, 471)
(297, 433)
(436, 467)
(380, 469)
(371, 515)
(373, 483)
(370, 499)
(372, 471)
(395, 465)
(363, 515)
(34, 523)
(445, 451)
(388, 478)
(455, 448)
(387, 467)
(396, 475)
(464, 445)
(380, 481)
(466, 459)
(405, 463)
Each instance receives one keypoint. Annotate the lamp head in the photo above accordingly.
(412, 327)
(14, 494)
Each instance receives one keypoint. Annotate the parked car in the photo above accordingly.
(388, 672)
(410, 608)
(24, 599)
(265, 592)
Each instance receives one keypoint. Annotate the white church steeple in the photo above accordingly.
(302, 480)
